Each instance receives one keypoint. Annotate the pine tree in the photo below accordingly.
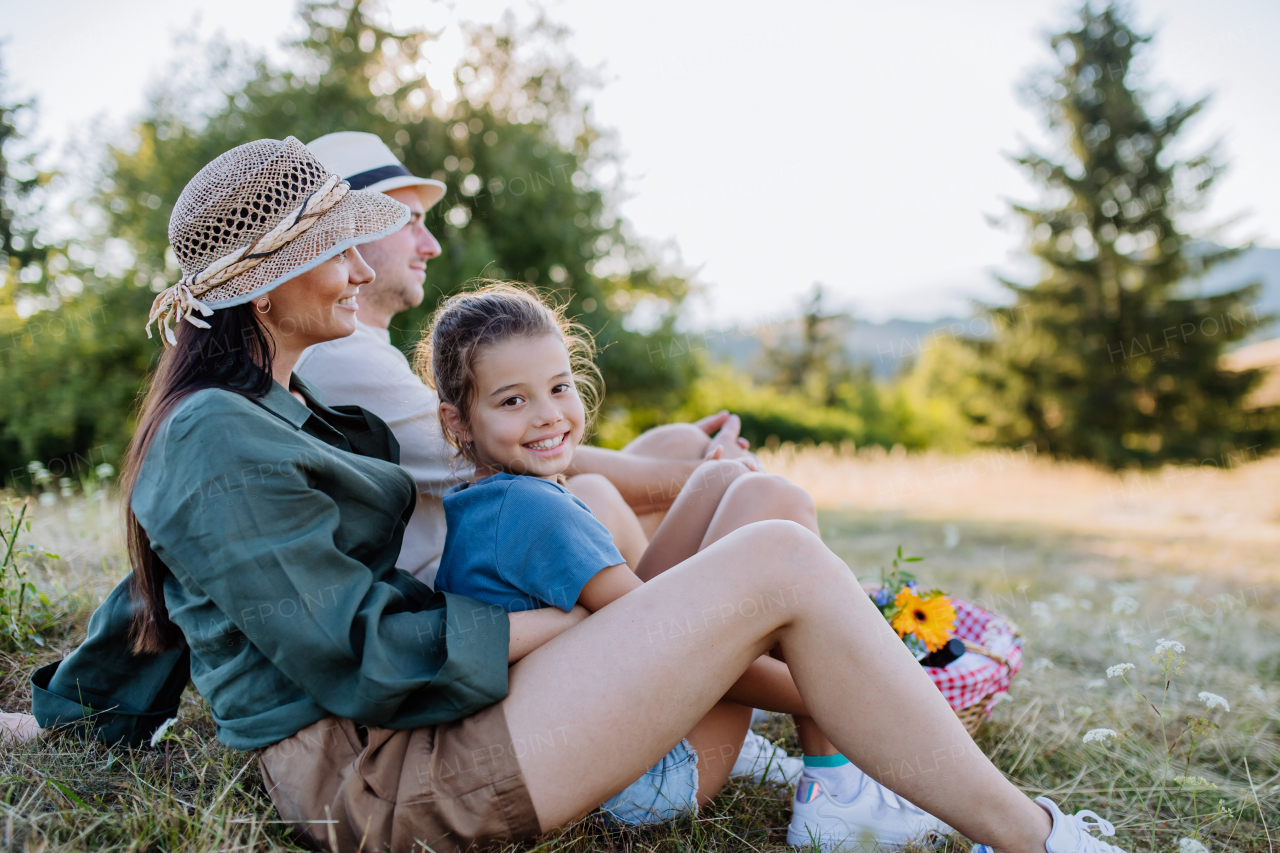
(1111, 355)
(811, 356)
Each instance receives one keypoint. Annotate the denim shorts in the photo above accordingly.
(665, 792)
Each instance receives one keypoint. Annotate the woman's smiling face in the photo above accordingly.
(527, 417)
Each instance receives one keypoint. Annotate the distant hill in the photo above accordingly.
(884, 347)
(887, 346)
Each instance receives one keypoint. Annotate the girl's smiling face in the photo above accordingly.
(527, 417)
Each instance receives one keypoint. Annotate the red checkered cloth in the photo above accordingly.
(973, 677)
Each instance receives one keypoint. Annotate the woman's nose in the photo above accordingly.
(360, 271)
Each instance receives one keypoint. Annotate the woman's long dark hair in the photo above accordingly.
(235, 353)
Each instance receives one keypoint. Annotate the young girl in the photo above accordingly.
(517, 390)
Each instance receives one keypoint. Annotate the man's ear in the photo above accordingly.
(451, 420)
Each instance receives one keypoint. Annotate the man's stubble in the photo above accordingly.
(396, 286)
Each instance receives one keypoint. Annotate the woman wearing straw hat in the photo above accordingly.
(263, 533)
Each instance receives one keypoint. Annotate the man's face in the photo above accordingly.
(400, 260)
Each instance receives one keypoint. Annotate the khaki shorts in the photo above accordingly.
(449, 786)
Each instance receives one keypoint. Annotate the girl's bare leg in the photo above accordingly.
(726, 495)
(686, 524)
(690, 633)
(670, 441)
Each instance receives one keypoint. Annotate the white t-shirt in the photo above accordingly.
(365, 370)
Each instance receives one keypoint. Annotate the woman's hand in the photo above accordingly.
(18, 728)
(533, 628)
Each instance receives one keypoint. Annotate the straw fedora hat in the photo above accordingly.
(255, 217)
(364, 161)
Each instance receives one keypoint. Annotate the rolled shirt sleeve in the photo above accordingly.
(102, 685)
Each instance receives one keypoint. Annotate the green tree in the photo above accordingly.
(70, 358)
(1109, 356)
(513, 141)
(516, 146)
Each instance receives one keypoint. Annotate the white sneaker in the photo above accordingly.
(875, 819)
(761, 761)
(1070, 833)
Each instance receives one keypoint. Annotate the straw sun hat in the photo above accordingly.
(257, 216)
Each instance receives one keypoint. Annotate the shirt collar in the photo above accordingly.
(383, 335)
(280, 402)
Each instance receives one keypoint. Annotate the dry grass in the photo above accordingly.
(1058, 547)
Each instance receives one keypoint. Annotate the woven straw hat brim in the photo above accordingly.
(360, 217)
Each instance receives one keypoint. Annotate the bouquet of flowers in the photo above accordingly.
(924, 620)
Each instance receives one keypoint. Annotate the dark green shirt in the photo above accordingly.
(280, 525)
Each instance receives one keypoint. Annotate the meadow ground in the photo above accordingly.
(1095, 568)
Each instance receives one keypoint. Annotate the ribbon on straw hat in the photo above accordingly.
(180, 301)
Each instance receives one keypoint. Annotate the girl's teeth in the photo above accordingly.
(547, 443)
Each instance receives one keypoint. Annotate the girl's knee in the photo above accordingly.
(671, 441)
(718, 474)
(786, 499)
(596, 492)
(780, 540)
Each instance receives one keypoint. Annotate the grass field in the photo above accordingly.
(1095, 568)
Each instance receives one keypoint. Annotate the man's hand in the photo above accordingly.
(711, 424)
(727, 444)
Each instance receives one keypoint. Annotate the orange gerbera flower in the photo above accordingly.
(930, 618)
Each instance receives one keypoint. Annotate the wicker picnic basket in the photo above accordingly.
(972, 683)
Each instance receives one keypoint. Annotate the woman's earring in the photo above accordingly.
(258, 306)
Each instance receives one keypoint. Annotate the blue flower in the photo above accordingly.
(882, 597)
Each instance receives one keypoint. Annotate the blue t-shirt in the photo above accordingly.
(522, 543)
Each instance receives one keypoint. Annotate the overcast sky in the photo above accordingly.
(856, 144)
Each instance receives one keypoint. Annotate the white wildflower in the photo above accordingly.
(1191, 845)
(1118, 669)
(1085, 604)
(1041, 664)
(1256, 693)
(1085, 583)
(1040, 611)
(1061, 602)
(1213, 700)
(1195, 783)
(1124, 605)
(162, 731)
(1168, 657)
(1100, 735)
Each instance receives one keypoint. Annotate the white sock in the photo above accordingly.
(842, 782)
